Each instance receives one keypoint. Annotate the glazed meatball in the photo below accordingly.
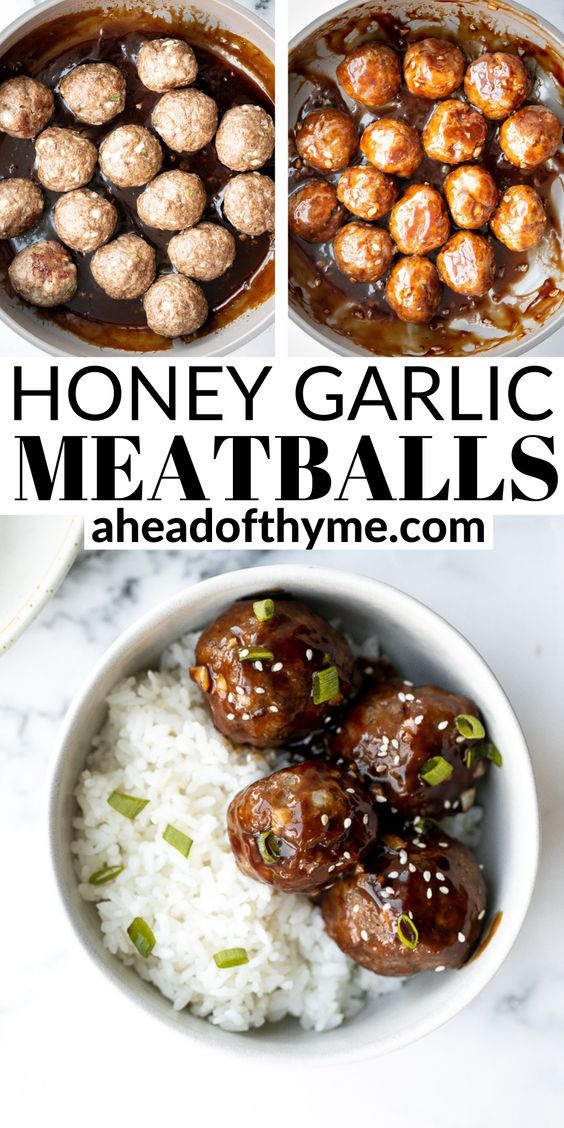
(172, 200)
(419, 222)
(363, 252)
(326, 139)
(392, 146)
(471, 193)
(416, 905)
(130, 155)
(433, 68)
(95, 92)
(413, 290)
(164, 64)
(65, 159)
(467, 264)
(44, 274)
(370, 74)
(185, 119)
(314, 212)
(175, 306)
(299, 828)
(245, 138)
(275, 680)
(248, 203)
(204, 252)
(530, 137)
(367, 192)
(125, 268)
(454, 133)
(21, 204)
(393, 736)
(497, 84)
(26, 106)
(84, 220)
(520, 219)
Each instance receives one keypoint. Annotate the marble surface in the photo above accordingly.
(75, 1053)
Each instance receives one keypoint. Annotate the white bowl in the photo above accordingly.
(425, 648)
(35, 556)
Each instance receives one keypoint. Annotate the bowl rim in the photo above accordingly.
(47, 583)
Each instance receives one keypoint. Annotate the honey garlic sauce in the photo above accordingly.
(359, 312)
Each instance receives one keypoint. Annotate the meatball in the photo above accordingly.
(367, 192)
(419, 222)
(245, 138)
(416, 905)
(163, 64)
(299, 828)
(26, 106)
(520, 219)
(530, 137)
(204, 252)
(497, 84)
(276, 679)
(454, 133)
(172, 200)
(95, 92)
(433, 68)
(394, 737)
(326, 139)
(413, 289)
(44, 274)
(248, 203)
(21, 204)
(175, 306)
(370, 74)
(125, 268)
(314, 212)
(65, 159)
(130, 155)
(363, 252)
(472, 194)
(392, 146)
(467, 264)
(84, 220)
(185, 119)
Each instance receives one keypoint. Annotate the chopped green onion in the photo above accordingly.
(231, 957)
(485, 751)
(436, 770)
(178, 839)
(141, 935)
(409, 938)
(325, 685)
(128, 805)
(255, 654)
(470, 727)
(263, 609)
(268, 847)
(107, 873)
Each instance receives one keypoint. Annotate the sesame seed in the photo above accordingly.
(356, 908)
(403, 857)
(258, 666)
(396, 759)
(409, 697)
(246, 716)
(338, 730)
(387, 908)
(347, 823)
(461, 938)
(441, 967)
(331, 868)
(411, 867)
(380, 798)
(389, 890)
(447, 804)
(365, 820)
(444, 845)
(309, 655)
(383, 752)
(273, 708)
(325, 819)
(440, 876)
(385, 739)
(276, 667)
(369, 669)
(349, 790)
(260, 689)
(426, 875)
(401, 697)
(395, 743)
(244, 652)
(460, 739)
(407, 682)
(380, 768)
(230, 698)
(346, 855)
(239, 689)
(363, 934)
(442, 725)
(443, 889)
(482, 914)
(231, 716)
(393, 874)
(429, 894)
(419, 719)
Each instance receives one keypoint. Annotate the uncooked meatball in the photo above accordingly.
(433, 68)
(44, 274)
(370, 74)
(204, 252)
(314, 212)
(65, 159)
(471, 194)
(175, 306)
(26, 106)
(413, 290)
(172, 200)
(245, 138)
(520, 219)
(125, 268)
(21, 204)
(248, 203)
(455, 132)
(367, 192)
(392, 146)
(419, 222)
(95, 92)
(164, 64)
(363, 252)
(467, 264)
(185, 119)
(84, 220)
(326, 139)
(497, 84)
(130, 155)
(531, 136)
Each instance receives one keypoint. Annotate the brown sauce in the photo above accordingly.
(489, 935)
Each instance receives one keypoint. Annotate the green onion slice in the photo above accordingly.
(408, 934)
(486, 751)
(128, 805)
(107, 873)
(436, 770)
(142, 936)
(470, 727)
(325, 685)
(181, 842)
(268, 847)
(263, 609)
(231, 957)
(255, 654)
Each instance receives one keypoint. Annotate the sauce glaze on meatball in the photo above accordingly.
(419, 222)
(44, 274)
(84, 220)
(326, 139)
(164, 64)
(520, 219)
(367, 192)
(94, 92)
(433, 68)
(185, 119)
(175, 306)
(370, 74)
(497, 84)
(363, 252)
(314, 212)
(392, 146)
(455, 132)
(21, 204)
(124, 268)
(26, 106)
(472, 194)
(130, 156)
(204, 252)
(530, 137)
(467, 264)
(245, 138)
(172, 200)
(65, 159)
(413, 290)
(248, 203)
